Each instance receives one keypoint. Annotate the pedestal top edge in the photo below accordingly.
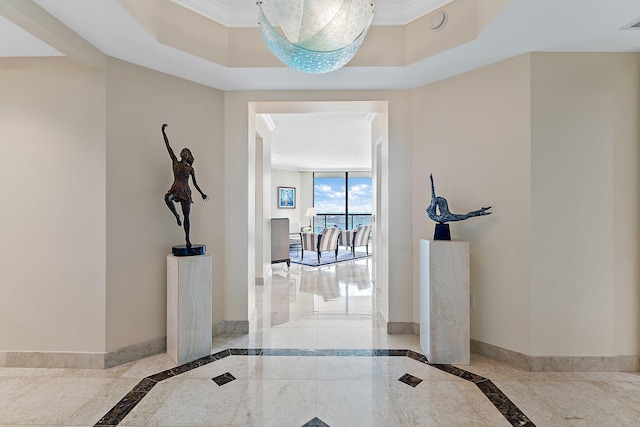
(446, 241)
(188, 256)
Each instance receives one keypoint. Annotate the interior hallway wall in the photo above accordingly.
(263, 197)
(380, 205)
(585, 203)
(505, 135)
(287, 178)
(306, 197)
(551, 141)
(140, 228)
(52, 116)
(473, 133)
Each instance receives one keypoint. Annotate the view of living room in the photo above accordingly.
(321, 178)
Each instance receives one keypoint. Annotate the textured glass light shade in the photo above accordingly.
(318, 36)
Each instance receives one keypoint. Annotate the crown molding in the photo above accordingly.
(418, 8)
(211, 9)
(388, 12)
(233, 15)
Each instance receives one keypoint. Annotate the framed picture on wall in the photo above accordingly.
(286, 197)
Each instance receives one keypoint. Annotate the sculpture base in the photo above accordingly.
(444, 302)
(182, 250)
(442, 232)
(189, 309)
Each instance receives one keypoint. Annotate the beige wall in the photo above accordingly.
(585, 203)
(472, 132)
(86, 267)
(52, 116)
(286, 178)
(306, 196)
(263, 197)
(380, 204)
(549, 140)
(140, 228)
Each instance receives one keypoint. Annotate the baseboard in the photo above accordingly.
(50, 359)
(135, 352)
(629, 363)
(400, 327)
(510, 357)
(87, 360)
(557, 363)
(411, 328)
(260, 281)
(218, 329)
(81, 360)
(236, 327)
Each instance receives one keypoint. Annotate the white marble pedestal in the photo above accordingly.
(444, 301)
(189, 317)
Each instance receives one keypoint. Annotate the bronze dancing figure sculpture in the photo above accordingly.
(180, 191)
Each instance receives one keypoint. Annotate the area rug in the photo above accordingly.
(326, 258)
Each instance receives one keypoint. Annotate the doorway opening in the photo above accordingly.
(267, 175)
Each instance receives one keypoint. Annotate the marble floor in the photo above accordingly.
(315, 358)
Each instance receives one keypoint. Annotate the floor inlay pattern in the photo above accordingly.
(223, 379)
(316, 422)
(506, 407)
(410, 380)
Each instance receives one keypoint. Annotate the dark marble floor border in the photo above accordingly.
(506, 407)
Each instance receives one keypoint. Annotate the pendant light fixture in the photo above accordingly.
(315, 36)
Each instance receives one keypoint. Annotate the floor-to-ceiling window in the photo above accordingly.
(341, 199)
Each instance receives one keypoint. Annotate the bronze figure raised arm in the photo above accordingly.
(180, 191)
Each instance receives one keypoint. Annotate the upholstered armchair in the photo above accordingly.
(346, 238)
(361, 238)
(327, 241)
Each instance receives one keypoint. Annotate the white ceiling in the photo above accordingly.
(523, 26)
(14, 41)
(336, 141)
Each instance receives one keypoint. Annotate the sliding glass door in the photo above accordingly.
(341, 199)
